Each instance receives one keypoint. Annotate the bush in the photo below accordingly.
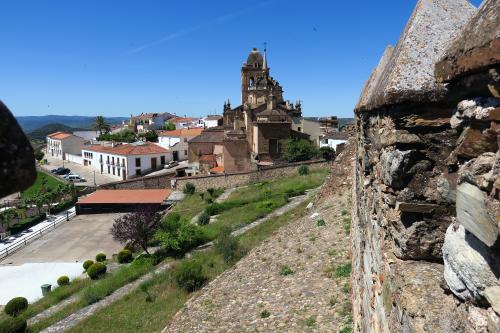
(179, 236)
(63, 280)
(124, 256)
(321, 223)
(343, 270)
(285, 270)
(204, 218)
(15, 306)
(189, 188)
(303, 170)
(97, 270)
(265, 314)
(300, 150)
(62, 206)
(189, 276)
(327, 153)
(100, 257)
(27, 223)
(13, 325)
(87, 264)
(227, 245)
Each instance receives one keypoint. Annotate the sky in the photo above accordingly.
(116, 58)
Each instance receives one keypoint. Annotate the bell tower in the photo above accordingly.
(254, 78)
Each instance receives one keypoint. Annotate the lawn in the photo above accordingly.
(52, 183)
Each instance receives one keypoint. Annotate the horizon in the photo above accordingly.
(185, 57)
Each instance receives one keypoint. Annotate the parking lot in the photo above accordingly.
(85, 171)
(78, 239)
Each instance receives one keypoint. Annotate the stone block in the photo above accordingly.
(416, 207)
(470, 266)
(473, 214)
(492, 295)
(493, 322)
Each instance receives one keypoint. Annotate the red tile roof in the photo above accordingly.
(59, 135)
(180, 133)
(207, 158)
(144, 148)
(180, 119)
(217, 169)
(126, 196)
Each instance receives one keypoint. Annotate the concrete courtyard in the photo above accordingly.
(79, 239)
(86, 172)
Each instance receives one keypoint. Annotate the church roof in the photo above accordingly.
(409, 73)
(477, 46)
(255, 57)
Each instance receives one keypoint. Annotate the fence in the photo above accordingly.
(23, 241)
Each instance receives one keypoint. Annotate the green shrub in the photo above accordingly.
(327, 153)
(13, 325)
(343, 270)
(87, 264)
(299, 150)
(179, 236)
(311, 321)
(63, 280)
(189, 188)
(209, 200)
(100, 257)
(15, 306)
(321, 223)
(303, 170)
(204, 218)
(124, 256)
(227, 245)
(189, 276)
(96, 270)
(285, 270)
(265, 314)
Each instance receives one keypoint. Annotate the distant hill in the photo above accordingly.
(42, 132)
(31, 123)
(343, 121)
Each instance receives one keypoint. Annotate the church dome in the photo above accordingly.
(255, 57)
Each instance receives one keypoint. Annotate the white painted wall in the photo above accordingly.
(331, 143)
(59, 148)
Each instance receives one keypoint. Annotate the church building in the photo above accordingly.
(255, 130)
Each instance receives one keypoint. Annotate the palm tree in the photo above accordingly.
(100, 125)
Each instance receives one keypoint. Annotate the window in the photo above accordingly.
(113, 171)
(138, 162)
(299, 129)
(123, 161)
(107, 159)
(137, 172)
(185, 152)
(185, 140)
(113, 160)
(162, 159)
(109, 169)
(118, 171)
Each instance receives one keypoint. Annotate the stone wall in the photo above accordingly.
(425, 255)
(202, 183)
(148, 182)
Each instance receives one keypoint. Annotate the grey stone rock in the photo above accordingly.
(473, 214)
(492, 295)
(446, 186)
(416, 207)
(493, 322)
(394, 162)
(17, 161)
(468, 263)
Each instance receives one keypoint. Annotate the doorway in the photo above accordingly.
(153, 163)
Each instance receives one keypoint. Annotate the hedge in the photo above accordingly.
(124, 256)
(100, 257)
(87, 264)
(96, 270)
(62, 206)
(63, 280)
(27, 223)
(13, 325)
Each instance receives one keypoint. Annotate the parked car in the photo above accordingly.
(56, 170)
(70, 174)
(75, 178)
(171, 164)
(63, 171)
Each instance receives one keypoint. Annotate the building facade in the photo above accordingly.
(146, 122)
(124, 161)
(61, 145)
(177, 141)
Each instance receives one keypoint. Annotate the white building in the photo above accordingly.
(87, 135)
(177, 141)
(211, 121)
(124, 161)
(333, 140)
(184, 122)
(146, 122)
(65, 146)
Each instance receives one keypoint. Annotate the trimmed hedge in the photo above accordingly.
(27, 223)
(15, 306)
(124, 256)
(62, 206)
(63, 280)
(100, 257)
(97, 270)
(13, 325)
(87, 264)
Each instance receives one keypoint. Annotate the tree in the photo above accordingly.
(150, 136)
(326, 152)
(137, 228)
(100, 125)
(169, 126)
(39, 155)
(300, 150)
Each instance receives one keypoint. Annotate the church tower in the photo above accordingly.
(256, 83)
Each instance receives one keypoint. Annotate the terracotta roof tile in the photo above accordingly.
(207, 158)
(183, 132)
(126, 196)
(217, 169)
(143, 148)
(59, 135)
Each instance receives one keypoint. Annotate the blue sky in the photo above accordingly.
(115, 58)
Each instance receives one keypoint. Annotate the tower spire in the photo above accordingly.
(264, 63)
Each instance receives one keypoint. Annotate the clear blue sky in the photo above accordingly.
(120, 57)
